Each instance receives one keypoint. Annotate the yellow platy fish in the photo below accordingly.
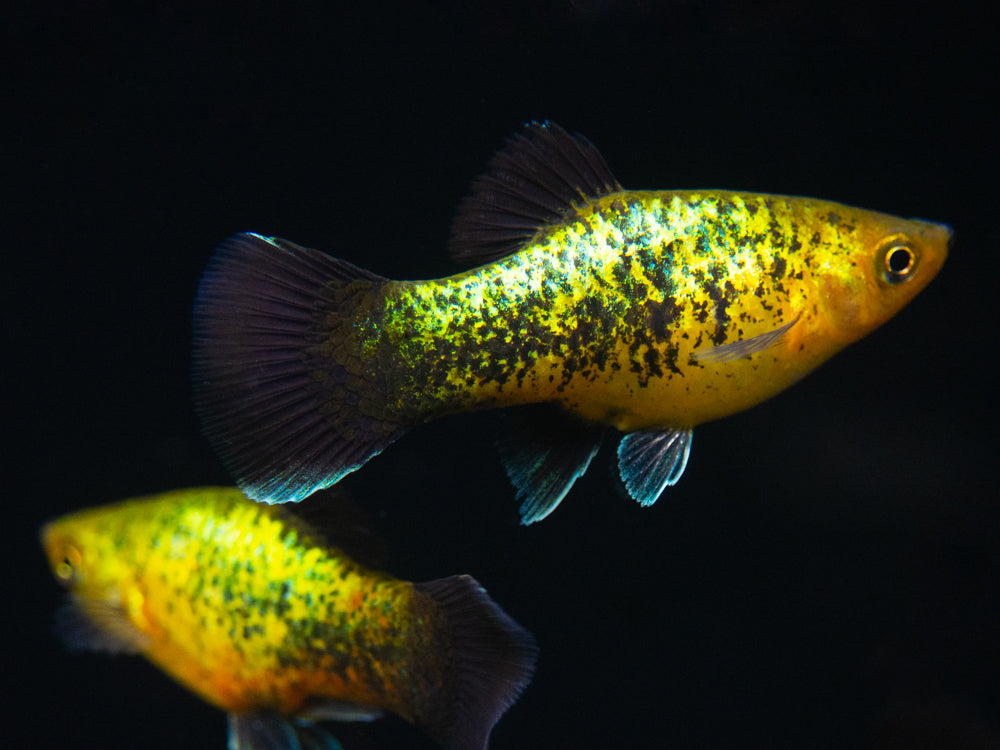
(247, 607)
(646, 311)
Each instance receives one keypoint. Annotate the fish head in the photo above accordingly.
(86, 556)
(885, 263)
(84, 552)
(64, 541)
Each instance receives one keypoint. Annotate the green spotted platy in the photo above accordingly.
(594, 307)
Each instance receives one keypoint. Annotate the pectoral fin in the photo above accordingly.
(652, 460)
(334, 710)
(744, 347)
(544, 452)
(88, 624)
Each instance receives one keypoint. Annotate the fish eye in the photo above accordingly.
(900, 261)
(68, 569)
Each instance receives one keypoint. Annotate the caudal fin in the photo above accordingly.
(493, 660)
(279, 382)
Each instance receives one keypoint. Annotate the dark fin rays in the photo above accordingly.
(745, 347)
(652, 460)
(544, 452)
(493, 659)
(532, 182)
(284, 419)
(335, 520)
(269, 730)
(87, 624)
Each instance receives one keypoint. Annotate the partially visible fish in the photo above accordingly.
(246, 606)
(649, 312)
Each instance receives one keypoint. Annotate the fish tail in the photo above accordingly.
(493, 660)
(279, 378)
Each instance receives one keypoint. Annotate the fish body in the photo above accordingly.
(608, 314)
(645, 311)
(248, 608)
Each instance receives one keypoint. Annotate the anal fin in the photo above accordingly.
(270, 730)
(313, 737)
(544, 452)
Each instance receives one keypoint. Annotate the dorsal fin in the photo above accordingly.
(332, 518)
(530, 183)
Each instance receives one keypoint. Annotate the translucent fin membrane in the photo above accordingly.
(544, 452)
(283, 417)
(493, 659)
(652, 460)
(532, 182)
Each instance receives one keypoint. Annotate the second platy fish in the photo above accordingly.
(649, 312)
(248, 607)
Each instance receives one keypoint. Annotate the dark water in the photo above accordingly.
(826, 572)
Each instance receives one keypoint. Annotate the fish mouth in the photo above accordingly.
(61, 553)
(942, 240)
(936, 241)
(941, 237)
(45, 539)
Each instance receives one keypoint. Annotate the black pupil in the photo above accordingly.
(899, 260)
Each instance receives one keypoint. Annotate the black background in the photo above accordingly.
(826, 572)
